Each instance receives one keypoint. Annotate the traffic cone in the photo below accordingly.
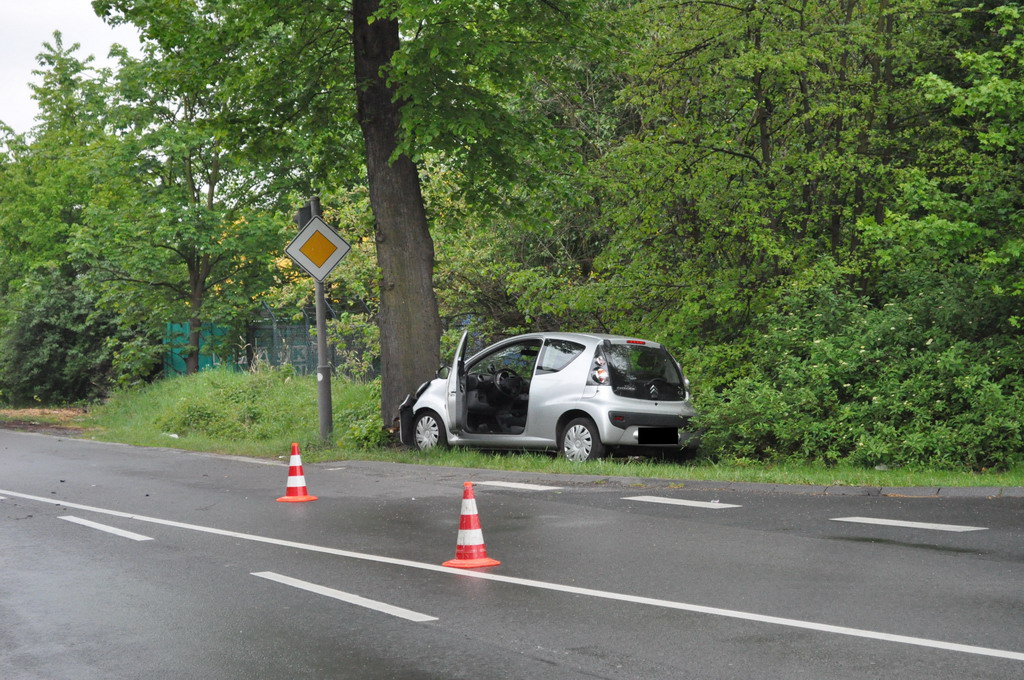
(470, 551)
(296, 490)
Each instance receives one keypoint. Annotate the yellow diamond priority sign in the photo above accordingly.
(318, 248)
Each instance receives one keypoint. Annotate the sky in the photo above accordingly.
(25, 26)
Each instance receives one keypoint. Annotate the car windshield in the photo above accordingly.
(643, 371)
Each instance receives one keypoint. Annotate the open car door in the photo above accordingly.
(457, 388)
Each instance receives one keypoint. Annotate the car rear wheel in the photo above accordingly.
(429, 431)
(581, 441)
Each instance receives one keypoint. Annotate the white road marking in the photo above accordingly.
(678, 501)
(908, 525)
(346, 597)
(103, 527)
(544, 585)
(520, 485)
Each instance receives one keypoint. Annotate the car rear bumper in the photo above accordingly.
(627, 419)
(656, 430)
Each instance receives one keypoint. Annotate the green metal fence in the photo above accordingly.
(268, 342)
(176, 343)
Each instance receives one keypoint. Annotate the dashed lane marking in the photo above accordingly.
(710, 505)
(521, 486)
(908, 525)
(357, 600)
(544, 585)
(109, 529)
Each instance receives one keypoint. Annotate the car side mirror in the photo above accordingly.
(444, 372)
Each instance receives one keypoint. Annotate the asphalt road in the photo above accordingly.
(209, 577)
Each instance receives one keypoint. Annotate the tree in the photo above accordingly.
(410, 328)
(55, 338)
(418, 78)
(766, 134)
(175, 232)
(45, 177)
(986, 97)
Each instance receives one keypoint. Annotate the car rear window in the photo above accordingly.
(644, 372)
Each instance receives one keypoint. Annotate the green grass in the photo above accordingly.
(253, 414)
(260, 414)
(806, 474)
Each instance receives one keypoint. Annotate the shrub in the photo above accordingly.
(358, 422)
(930, 378)
(266, 405)
(53, 345)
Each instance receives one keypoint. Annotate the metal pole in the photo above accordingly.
(323, 369)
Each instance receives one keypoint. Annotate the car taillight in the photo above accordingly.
(635, 342)
(599, 371)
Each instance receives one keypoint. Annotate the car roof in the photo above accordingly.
(563, 335)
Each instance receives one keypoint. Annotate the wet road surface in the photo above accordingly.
(125, 562)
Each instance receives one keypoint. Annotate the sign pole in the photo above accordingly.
(323, 368)
(318, 249)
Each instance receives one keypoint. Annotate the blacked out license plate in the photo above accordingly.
(661, 436)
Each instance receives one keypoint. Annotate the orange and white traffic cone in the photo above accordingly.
(470, 551)
(296, 490)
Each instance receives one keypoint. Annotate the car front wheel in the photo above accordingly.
(429, 431)
(581, 441)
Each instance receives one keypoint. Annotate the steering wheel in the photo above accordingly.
(507, 382)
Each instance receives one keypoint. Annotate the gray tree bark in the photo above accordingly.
(410, 328)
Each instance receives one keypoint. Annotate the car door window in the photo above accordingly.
(557, 354)
(519, 358)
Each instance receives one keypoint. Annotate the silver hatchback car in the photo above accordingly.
(580, 393)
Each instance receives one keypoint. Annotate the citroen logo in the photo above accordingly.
(653, 391)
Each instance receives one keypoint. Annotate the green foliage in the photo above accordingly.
(985, 97)
(354, 332)
(356, 344)
(753, 140)
(171, 233)
(358, 422)
(460, 78)
(768, 140)
(230, 405)
(818, 206)
(48, 177)
(929, 378)
(53, 344)
(56, 338)
(268, 406)
(130, 416)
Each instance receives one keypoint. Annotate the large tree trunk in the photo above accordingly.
(410, 329)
